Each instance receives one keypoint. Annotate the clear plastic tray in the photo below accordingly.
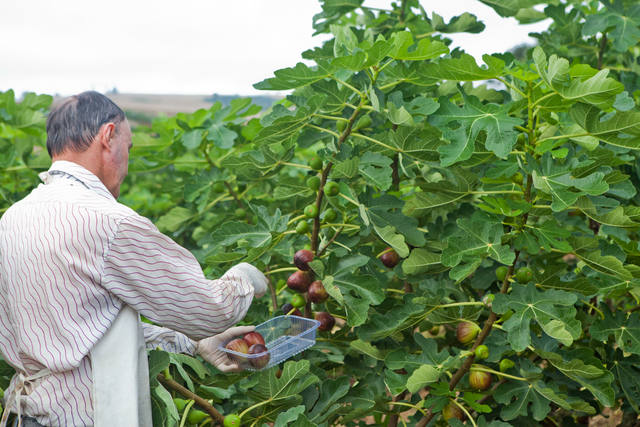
(284, 336)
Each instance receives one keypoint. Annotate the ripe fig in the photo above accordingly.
(253, 338)
(452, 411)
(313, 183)
(501, 272)
(311, 211)
(506, 364)
(390, 259)
(317, 293)
(479, 380)
(331, 188)
(482, 352)
(302, 227)
(316, 163)
(466, 332)
(238, 345)
(298, 301)
(299, 281)
(302, 258)
(524, 275)
(262, 360)
(326, 320)
(232, 420)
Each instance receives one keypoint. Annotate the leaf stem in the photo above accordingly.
(422, 411)
(252, 407)
(185, 413)
(280, 270)
(512, 86)
(498, 373)
(465, 412)
(321, 129)
(375, 141)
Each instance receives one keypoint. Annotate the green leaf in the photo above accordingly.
(518, 397)
(283, 391)
(163, 409)
(221, 136)
(331, 390)
(425, 374)
(605, 264)
(359, 293)
(552, 309)
(621, 129)
(426, 48)
(394, 239)
(464, 68)
(401, 359)
(229, 233)
(376, 169)
(419, 261)
(291, 78)
(382, 325)
(368, 349)
(625, 330)
(173, 219)
(290, 415)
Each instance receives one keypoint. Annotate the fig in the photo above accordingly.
(196, 417)
(317, 293)
(501, 272)
(299, 281)
(238, 345)
(466, 332)
(302, 227)
(253, 338)
(260, 361)
(482, 352)
(506, 364)
(298, 301)
(232, 420)
(240, 212)
(331, 188)
(390, 259)
(452, 411)
(316, 163)
(286, 309)
(329, 215)
(218, 187)
(524, 275)
(311, 211)
(479, 380)
(180, 403)
(313, 183)
(302, 258)
(326, 320)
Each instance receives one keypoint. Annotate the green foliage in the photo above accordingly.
(467, 170)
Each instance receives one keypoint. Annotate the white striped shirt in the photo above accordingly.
(70, 257)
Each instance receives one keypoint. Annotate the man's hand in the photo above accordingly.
(208, 348)
(258, 280)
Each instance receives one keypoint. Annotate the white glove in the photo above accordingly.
(258, 280)
(208, 348)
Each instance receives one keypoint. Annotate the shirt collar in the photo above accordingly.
(77, 172)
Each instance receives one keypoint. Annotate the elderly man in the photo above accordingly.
(77, 269)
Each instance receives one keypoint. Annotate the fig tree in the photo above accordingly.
(390, 258)
(302, 258)
(466, 332)
(326, 320)
(317, 293)
(299, 281)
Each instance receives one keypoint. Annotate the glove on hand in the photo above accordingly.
(258, 280)
(208, 348)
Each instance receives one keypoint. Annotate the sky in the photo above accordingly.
(187, 47)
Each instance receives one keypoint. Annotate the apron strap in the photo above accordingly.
(16, 394)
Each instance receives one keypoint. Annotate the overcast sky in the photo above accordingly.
(188, 47)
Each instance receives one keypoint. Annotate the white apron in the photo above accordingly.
(120, 374)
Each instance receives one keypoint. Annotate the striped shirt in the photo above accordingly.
(70, 257)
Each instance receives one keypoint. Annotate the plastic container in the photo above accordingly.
(284, 336)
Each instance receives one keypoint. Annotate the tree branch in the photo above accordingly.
(204, 404)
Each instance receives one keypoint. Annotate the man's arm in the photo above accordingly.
(165, 283)
(168, 340)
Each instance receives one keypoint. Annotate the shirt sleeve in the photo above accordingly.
(167, 340)
(164, 282)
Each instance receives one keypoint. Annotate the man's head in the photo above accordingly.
(89, 129)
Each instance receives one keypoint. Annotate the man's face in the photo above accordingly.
(121, 144)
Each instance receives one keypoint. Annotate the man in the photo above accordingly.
(76, 270)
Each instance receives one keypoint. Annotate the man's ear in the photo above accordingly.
(105, 134)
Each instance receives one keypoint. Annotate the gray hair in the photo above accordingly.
(75, 122)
